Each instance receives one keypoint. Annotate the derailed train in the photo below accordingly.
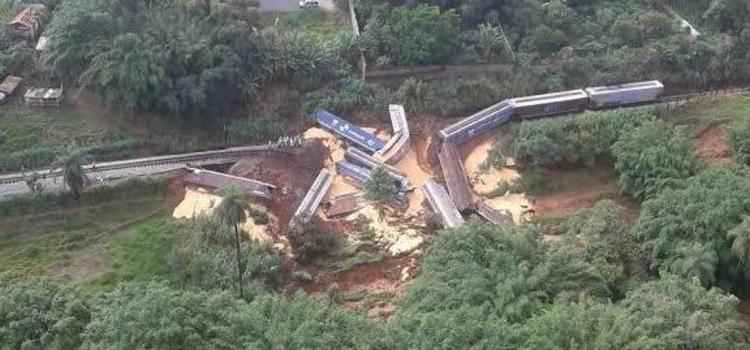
(459, 192)
(552, 104)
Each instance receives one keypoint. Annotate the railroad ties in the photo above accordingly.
(455, 177)
(441, 204)
(312, 199)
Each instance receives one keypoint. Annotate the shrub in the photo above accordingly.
(254, 130)
(308, 241)
(653, 156)
(574, 140)
(739, 138)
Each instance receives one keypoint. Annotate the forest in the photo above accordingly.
(672, 276)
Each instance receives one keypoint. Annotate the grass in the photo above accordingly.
(139, 253)
(102, 237)
(703, 112)
(312, 21)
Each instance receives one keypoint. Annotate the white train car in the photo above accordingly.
(549, 104)
(625, 94)
(441, 204)
(486, 119)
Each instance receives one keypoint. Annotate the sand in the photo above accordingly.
(517, 204)
(417, 176)
(200, 202)
(486, 180)
(390, 229)
(336, 147)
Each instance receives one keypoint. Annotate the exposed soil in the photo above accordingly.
(376, 284)
(711, 145)
(744, 308)
(579, 189)
(293, 173)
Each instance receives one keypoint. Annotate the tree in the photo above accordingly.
(206, 260)
(39, 314)
(652, 157)
(739, 138)
(73, 174)
(233, 211)
(692, 230)
(381, 186)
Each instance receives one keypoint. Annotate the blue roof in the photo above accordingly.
(348, 131)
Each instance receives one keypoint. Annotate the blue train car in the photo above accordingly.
(348, 131)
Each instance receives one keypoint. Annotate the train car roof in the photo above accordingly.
(628, 86)
(348, 130)
(550, 98)
(474, 117)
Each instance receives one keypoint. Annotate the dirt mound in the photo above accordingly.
(292, 173)
(712, 146)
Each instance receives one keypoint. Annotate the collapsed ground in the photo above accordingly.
(97, 245)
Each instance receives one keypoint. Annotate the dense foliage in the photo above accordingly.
(700, 230)
(180, 57)
(739, 138)
(481, 286)
(583, 42)
(654, 156)
(381, 186)
(574, 140)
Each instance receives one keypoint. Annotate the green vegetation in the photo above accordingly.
(53, 234)
(739, 134)
(381, 187)
(36, 139)
(582, 139)
(654, 156)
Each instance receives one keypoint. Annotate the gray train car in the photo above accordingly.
(549, 104)
(625, 94)
(455, 177)
(359, 157)
(441, 204)
(401, 136)
(486, 119)
(313, 197)
(353, 173)
(497, 217)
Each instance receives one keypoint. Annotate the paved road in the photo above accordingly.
(290, 5)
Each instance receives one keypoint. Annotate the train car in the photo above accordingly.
(625, 94)
(486, 119)
(549, 104)
(399, 144)
(455, 177)
(359, 157)
(353, 173)
(313, 197)
(348, 131)
(441, 204)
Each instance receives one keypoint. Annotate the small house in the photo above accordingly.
(28, 22)
(44, 97)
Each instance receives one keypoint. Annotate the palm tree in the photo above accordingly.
(233, 211)
(73, 174)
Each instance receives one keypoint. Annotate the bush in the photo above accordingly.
(576, 140)
(739, 138)
(254, 131)
(38, 203)
(652, 157)
(308, 241)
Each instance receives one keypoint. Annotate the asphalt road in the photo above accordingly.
(290, 5)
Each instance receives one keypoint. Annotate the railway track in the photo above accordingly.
(229, 154)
